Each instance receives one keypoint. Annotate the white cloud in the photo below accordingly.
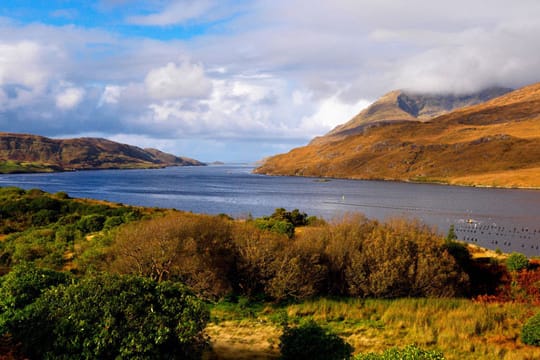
(20, 63)
(176, 13)
(330, 113)
(110, 95)
(474, 59)
(172, 81)
(277, 72)
(69, 98)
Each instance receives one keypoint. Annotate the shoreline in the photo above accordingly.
(406, 181)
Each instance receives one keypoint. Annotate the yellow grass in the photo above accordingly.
(243, 340)
(460, 328)
(522, 178)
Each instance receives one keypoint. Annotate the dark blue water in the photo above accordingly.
(235, 191)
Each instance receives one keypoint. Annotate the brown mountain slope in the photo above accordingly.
(399, 105)
(496, 143)
(32, 153)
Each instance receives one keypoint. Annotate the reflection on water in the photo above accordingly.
(483, 216)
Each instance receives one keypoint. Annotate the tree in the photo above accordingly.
(194, 249)
(451, 236)
(115, 317)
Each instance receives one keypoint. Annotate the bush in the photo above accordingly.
(113, 222)
(91, 223)
(115, 317)
(411, 352)
(295, 217)
(401, 259)
(530, 333)
(275, 225)
(25, 283)
(310, 341)
(196, 249)
(20, 288)
(517, 262)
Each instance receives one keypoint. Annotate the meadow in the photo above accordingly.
(239, 283)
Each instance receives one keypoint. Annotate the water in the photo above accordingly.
(508, 219)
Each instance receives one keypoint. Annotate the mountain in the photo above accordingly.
(401, 105)
(32, 153)
(494, 143)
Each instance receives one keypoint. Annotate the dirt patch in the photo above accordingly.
(243, 340)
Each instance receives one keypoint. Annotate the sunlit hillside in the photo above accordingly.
(496, 143)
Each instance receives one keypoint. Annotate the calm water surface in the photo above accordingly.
(496, 218)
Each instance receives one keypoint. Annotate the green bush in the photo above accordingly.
(451, 235)
(411, 352)
(25, 283)
(309, 341)
(91, 223)
(112, 222)
(115, 317)
(275, 225)
(530, 333)
(517, 262)
(19, 289)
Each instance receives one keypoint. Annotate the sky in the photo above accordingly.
(237, 81)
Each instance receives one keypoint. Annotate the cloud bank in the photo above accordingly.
(241, 80)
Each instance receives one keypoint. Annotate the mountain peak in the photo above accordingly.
(405, 105)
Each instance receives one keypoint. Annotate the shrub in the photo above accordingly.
(401, 259)
(91, 223)
(459, 251)
(310, 341)
(196, 249)
(295, 217)
(113, 222)
(25, 283)
(451, 236)
(411, 352)
(530, 333)
(517, 262)
(115, 317)
(275, 225)
(20, 288)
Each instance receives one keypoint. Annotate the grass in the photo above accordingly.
(460, 328)
(12, 167)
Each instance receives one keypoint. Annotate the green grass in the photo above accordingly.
(13, 167)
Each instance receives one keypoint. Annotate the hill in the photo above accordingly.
(400, 105)
(494, 143)
(32, 153)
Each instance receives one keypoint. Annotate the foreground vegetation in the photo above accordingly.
(458, 328)
(378, 286)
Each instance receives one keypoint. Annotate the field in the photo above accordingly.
(460, 328)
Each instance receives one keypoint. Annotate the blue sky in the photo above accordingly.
(241, 80)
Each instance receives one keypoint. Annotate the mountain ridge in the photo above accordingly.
(406, 105)
(494, 143)
(35, 153)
